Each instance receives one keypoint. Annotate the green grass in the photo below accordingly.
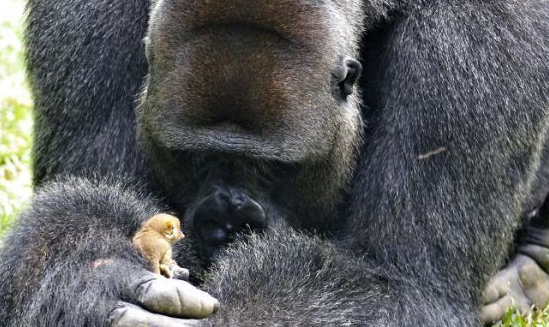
(16, 126)
(538, 319)
(15, 116)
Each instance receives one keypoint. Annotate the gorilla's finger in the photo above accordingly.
(539, 253)
(499, 285)
(129, 315)
(505, 290)
(491, 294)
(495, 311)
(175, 298)
(534, 281)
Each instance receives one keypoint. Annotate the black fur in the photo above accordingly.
(456, 109)
(47, 277)
(84, 86)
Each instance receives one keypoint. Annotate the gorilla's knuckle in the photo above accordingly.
(118, 315)
(538, 253)
(527, 268)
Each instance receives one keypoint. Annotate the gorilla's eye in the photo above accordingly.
(346, 76)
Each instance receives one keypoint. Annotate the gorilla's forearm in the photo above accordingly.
(49, 274)
(290, 279)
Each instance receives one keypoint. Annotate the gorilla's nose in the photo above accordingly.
(223, 215)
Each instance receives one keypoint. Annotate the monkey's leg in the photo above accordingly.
(165, 271)
(156, 267)
(171, 269)
(165, 263)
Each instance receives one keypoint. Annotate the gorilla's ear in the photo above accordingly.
(346, 75)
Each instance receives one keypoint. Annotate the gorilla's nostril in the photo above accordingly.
(252, 214)
(238, 200)
(220, 198)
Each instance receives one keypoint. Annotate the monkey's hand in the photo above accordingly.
(524, 283)
(162, 302)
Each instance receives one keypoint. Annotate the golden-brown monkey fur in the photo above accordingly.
(154, 241)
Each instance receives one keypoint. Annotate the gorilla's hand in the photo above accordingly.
(128, 315)
(522, 284)
(161, 302)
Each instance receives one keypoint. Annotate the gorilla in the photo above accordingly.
(311, 196)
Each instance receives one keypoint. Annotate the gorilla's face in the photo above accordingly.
(261, 86)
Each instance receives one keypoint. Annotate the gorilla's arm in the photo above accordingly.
(286, 278)
(70, 262)
(85, 64)
(454, 145)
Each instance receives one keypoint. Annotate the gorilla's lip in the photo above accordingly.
(220, 140)
(227, 139)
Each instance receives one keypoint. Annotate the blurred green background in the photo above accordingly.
(15, 116)
(16, 131)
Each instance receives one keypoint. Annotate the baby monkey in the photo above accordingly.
(154, 241)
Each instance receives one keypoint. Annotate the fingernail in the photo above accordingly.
(216, 307)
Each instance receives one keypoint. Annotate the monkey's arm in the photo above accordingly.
(70, 262)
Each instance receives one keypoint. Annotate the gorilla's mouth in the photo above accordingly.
(226, 138)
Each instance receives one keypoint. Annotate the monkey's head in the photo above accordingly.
(256, 96)
(168, 226)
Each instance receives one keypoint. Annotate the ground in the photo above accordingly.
(16, 128)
